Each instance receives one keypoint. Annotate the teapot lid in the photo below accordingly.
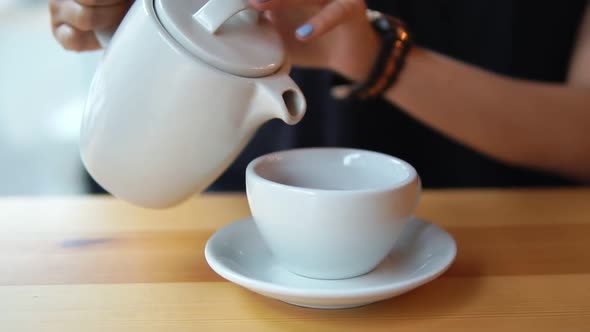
(226, 34)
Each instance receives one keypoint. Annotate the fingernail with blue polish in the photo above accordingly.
(304, 30)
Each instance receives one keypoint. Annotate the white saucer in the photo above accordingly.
(238, 253)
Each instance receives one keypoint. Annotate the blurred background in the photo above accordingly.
(42, 94)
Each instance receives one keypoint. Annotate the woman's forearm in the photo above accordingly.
(530, 124)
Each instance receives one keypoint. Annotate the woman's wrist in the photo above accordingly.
(377, 67)
(358, 68)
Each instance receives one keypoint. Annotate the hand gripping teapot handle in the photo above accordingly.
(215, 12)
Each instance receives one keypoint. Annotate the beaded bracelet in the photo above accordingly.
(396, 43)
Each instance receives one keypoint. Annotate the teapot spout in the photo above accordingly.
(277, 96)
(293, 106)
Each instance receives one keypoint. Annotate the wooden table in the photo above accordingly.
(98, 264)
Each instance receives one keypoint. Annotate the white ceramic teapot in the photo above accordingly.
(182, 87)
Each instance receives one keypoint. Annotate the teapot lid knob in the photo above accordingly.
(227, 34)
(214, 13)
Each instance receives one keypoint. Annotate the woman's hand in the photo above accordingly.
(330, 34)
(74, 21)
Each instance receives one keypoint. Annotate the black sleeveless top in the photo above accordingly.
(529, 40)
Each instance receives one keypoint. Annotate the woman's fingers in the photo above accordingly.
(75, 40)
(74, 21)
(278, 4)
(332, 14)
(86, 18)
(99, 3)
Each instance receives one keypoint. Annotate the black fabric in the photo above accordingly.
(523, 39)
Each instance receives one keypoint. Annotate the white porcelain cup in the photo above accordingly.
(331, 213)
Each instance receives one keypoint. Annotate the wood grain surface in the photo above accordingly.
(93, 263)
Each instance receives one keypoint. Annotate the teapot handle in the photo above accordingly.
(215, 12)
